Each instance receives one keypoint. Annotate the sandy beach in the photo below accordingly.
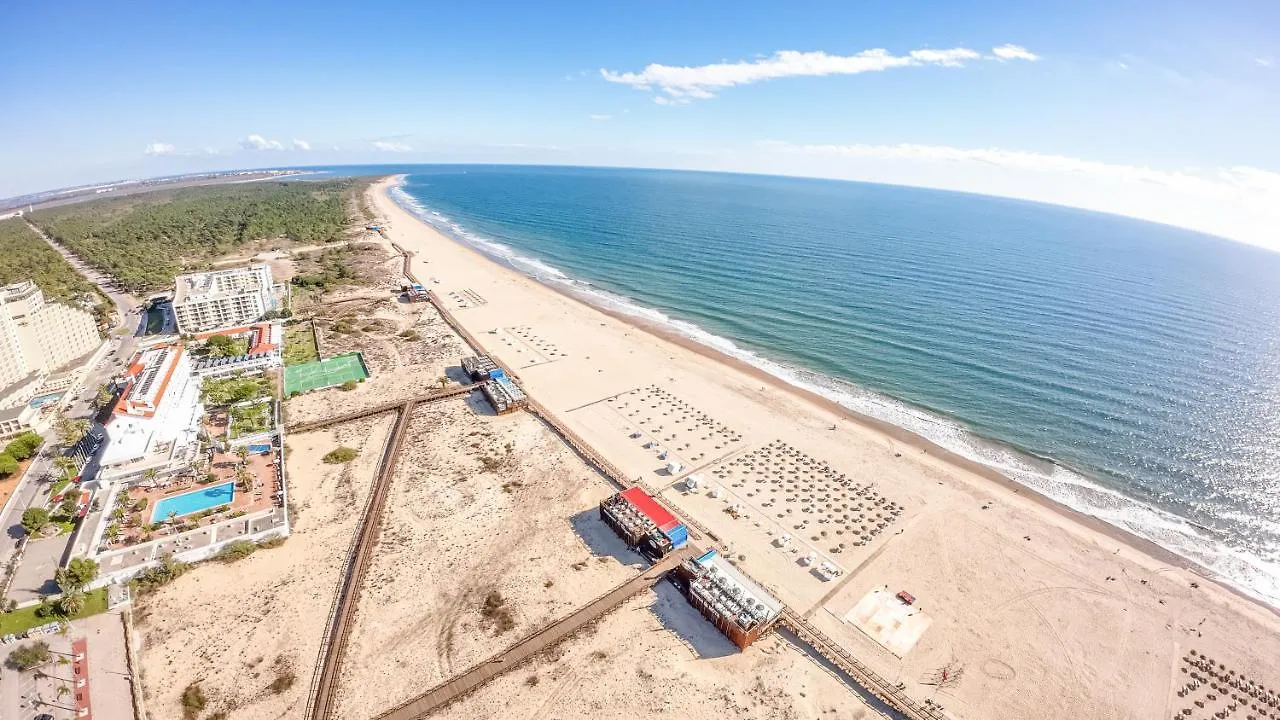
(1022, 610)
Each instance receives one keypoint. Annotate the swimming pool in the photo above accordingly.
(194, 501)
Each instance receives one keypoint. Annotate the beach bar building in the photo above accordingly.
(504, 395)
(643, 522)
(478, 367)
(738, 607)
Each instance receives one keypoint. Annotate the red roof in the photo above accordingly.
(650, 508)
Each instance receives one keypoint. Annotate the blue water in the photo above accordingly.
(1127, 369)
(194, 501)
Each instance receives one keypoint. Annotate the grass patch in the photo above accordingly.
(21, 620)
(299, 345)
(340, 455)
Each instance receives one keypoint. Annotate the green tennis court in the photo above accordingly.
(325, 373)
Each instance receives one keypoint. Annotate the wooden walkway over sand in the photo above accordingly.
(310, 425)
(870, 680)
(325, 678)
(546, 637)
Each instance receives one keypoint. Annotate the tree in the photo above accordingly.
(34, 519)
(24, 445)
(77, 574)
(246, 479)
(150, 474)
(104, 396)
(72, 602)
(70, 501)
(8, 465)
(67, 465)
(242, 452)
(70, 431)
(31, 655)
(221, 346)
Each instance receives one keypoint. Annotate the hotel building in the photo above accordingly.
(223, 298)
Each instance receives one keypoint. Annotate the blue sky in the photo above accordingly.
(1163, 110)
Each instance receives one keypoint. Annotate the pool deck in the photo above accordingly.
(223, 467)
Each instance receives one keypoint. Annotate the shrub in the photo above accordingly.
(31, 655)
(348, 385)
(339, 455)
(193, 701)
(156, 577)
(283, 681)
(236, 550)
(34, 519)
(495, 610)
(8, 465)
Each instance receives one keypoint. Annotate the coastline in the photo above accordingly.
(891, 432)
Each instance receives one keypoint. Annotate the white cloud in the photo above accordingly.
(1014, 52)
(1265, 62)
(700, 82)
(210, 151)
(159, 148)
(257, 142)
(391, 146)
(301, 144)
(1238, 202)
(601, 118)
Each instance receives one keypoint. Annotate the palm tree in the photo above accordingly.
(150, 474)
(246, 479)
(72, 602)
(242, 452)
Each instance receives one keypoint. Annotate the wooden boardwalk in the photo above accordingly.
(376, 409)
(324, 680)
(546, 637)
(869, 679)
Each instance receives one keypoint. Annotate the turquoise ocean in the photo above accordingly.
(1126, 369)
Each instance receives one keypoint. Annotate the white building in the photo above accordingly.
(223, 298)
(37, 338)
(156, 422)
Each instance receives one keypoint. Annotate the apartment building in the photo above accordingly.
(38, 336)
(223, 298)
